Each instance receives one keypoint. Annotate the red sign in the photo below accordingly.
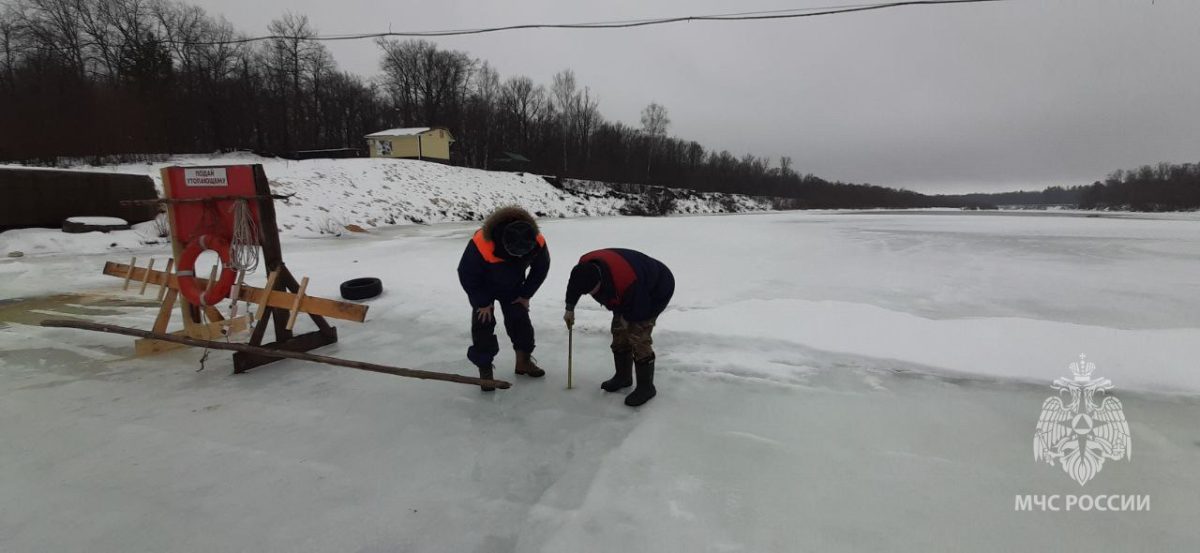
(191, 219)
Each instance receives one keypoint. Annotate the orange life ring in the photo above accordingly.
(186, 272)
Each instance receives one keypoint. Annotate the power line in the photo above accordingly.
(794, 13)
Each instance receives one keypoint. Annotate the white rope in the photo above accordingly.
(243, 248)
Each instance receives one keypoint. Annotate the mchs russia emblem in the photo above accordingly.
(1083, 426)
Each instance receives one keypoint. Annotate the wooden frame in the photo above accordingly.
(281, 301)
(273, 258)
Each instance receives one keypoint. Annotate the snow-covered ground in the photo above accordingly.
(827, 382)
(369, 192)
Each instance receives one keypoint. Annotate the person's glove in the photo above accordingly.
(569, 318)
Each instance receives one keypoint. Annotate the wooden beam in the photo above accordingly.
(162, 288)
(296, 306)
(209, 331)
(145, 279)
(243, 361)
(302, 356)
(129, 275)
(311, 304)
(161, 201)
(164, 311)
(237, 287)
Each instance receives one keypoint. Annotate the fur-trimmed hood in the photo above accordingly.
(507, 214)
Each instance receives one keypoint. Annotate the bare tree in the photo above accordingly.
(10, 44)
(588, 117)
(654, 123)
(54, 28)
(566, 100)
(295, 62)
(523, 104)
(481, 117)
(426, 85)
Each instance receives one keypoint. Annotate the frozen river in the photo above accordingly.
(827, 382)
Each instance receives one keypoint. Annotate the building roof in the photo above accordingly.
(408, 131)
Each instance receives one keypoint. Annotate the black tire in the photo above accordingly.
(362, 288)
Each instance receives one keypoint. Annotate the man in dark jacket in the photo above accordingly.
(636, 288)
(493, 268)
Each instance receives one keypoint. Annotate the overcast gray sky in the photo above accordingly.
(977, 97)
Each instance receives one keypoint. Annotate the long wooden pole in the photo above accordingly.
(303, 356)
(205, 199)
(570, 355)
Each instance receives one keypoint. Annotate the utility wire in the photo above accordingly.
(620, 24)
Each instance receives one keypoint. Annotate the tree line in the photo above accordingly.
(99, 78)
(1160, 187)
(104, 77)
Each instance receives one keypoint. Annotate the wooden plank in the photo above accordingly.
(189, 314)
(132, 263)
(162, 288)
(290, 283)
(262, 302)
(272, 252)
(161, 201)
(237, 287)
(213, 314)
(244, 361)
(296, 306)
(143, 347)
(164, 312)
(210, 331)
(212, 280)
(146, 279)
(311, 304)
(302, 356)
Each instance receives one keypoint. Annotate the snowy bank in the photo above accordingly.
(329, 194)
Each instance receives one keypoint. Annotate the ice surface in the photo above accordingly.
(827, 382)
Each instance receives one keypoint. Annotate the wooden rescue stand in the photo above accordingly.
(280, 279)
(279, 302)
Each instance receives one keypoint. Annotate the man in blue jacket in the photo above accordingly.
(506, 261)
(636, 288)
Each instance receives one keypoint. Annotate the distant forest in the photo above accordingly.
(95, 78)
(1161, 187)
(102, 78)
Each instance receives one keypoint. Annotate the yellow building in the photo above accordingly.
(413, 142)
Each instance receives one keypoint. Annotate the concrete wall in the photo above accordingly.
(44, 197)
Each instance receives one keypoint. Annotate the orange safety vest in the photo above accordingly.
(487, 248)
(622, 273)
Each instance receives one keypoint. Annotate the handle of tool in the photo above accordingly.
(570, 356)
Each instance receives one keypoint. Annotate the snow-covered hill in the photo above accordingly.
(374, 192)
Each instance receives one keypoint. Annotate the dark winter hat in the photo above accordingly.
(584, 277)
(519, 238)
